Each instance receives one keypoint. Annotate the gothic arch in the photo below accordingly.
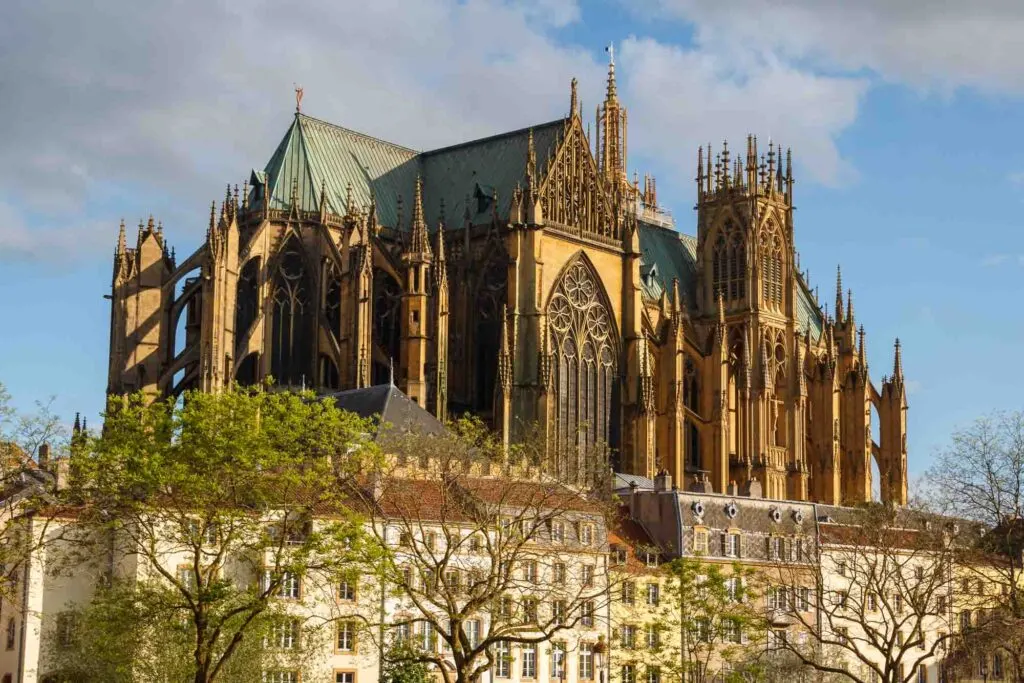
(293, 302)
(584, 344)
(772, 247)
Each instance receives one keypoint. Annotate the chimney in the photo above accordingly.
(44, 457)
(663, 481)
(62, 472)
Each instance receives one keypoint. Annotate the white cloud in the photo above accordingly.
(56, 243)
(927, 44)
(165, 102)
(681, 98)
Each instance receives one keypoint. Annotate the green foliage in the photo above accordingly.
(401, 665)
(214, 497)
(134, 632)
(710, 613)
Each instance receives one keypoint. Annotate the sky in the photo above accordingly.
(903, 117)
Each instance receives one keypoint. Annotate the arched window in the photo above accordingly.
(291, 346)
(247, 303)
(720, 266)
(332, 300)
(771, 269)
(729, 264)
(584, 351)
(387, 331)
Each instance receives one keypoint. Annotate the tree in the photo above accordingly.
(476, 555)
(26, 484)
(708, 619)
(218, 509)
(980, 477)
(881, 604)
(132, 631)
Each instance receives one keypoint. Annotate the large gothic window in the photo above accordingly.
(771, 269)
(729, 264)
(583, 346)
(387, 330)
(247, 303)
(291, 346)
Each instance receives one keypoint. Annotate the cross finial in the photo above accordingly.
(298, 98)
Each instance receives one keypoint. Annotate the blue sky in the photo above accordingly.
(903, 118)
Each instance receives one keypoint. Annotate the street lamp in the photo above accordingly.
(599, 651)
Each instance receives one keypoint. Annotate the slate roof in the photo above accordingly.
(315, 154)
(391, 406)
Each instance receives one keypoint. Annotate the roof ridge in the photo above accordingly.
(365, 136)
(489, 138)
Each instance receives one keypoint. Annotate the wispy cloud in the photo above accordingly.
(994, 260)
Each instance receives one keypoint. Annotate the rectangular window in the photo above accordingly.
(588, 576)
(346, 636)
(774, 548)
(452, 581)
(653, 594)
(805, 599)
(502, 659)
(653, 674)
(841, 637)
(529, 661)
(940, 604)
(65, 629)
(12, 630)
(700, 542)
(627, 635)
(587, 613)
(922, 673)
(897, 602)
(529, 610)
(400, 634)
(586, 534)
(731, 545)
(732, 589)
(651, 559)
(558, 660)
(530, 573)
(841, 568)
(965, 620)
(558, 532)
(872, 602)
(289, 586)
(628, 592)
(733, 633)
(347, 590)
(841, 598)
(586, 672)
(628, 673)
(653, 636)
(284, 635)
(703, 629)
(426, 639)
(280, 677)
(344, 677)
(558, 612)
(472, 629)
(776, 638)
(559, 574)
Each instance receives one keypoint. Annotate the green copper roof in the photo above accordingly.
(808, 315)
(667, 254)
(314, 153)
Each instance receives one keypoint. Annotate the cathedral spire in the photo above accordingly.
(611, 94)
(897, 362)
(419, 242)
(849, 306)
(839, 294)
(862, 351)
(122, 240)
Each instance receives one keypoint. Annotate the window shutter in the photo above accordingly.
(739, 545)
(725, 543)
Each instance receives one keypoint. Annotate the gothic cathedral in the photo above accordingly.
(526, 279)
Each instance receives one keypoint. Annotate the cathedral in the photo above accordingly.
(527, 279)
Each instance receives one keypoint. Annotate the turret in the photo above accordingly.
(417, 258)
(892, 432)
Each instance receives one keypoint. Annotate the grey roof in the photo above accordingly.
(393, 408)
(626, 481)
